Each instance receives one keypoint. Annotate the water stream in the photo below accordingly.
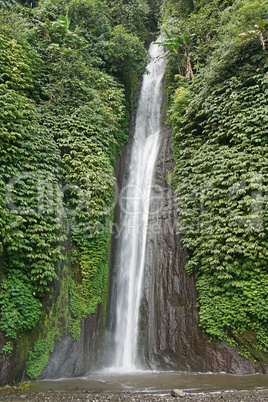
(135, 203)
(154, 382)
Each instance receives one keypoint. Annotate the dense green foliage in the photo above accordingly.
(68, 73)
(19, 308)
(39, 355)
(220, 128)
(30, 237)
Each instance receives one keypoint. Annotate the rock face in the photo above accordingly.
(171, 337)
(73, 358)
(7, 366)
(70, 358)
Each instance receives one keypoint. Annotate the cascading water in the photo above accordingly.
(134, 214)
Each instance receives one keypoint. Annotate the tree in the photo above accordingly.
(179, 45)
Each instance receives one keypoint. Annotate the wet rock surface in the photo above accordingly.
(72, 358)
(170, 333)
(238, 396)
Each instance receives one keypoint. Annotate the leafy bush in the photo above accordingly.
(126, 58)
(19, 308)
(7, 348)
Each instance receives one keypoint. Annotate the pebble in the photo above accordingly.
(238, 396)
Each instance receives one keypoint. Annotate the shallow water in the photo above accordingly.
(160, 382)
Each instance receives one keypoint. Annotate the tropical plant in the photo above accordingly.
(177, 45)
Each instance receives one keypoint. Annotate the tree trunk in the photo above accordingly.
(189, 71)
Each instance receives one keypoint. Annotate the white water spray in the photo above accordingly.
(135, 213)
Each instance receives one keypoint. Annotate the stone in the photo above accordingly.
(80, 389)
(177, 393)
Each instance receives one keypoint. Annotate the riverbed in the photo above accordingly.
(228, 396)
(148, 386)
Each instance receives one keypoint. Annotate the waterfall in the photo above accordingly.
(134, 215)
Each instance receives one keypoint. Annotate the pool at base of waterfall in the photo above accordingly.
(153, 382)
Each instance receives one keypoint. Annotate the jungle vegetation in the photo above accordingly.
(69, 70)
(217, 89)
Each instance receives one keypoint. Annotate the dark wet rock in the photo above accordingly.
(7, 363)
(81, 389)
(73, 358)
(171, 337)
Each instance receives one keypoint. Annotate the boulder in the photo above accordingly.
(177, 393)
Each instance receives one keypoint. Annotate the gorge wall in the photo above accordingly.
(170, 334)
(171, 337)
(72, 358)
(49, 350)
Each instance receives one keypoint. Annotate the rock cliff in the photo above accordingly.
(171, 337)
